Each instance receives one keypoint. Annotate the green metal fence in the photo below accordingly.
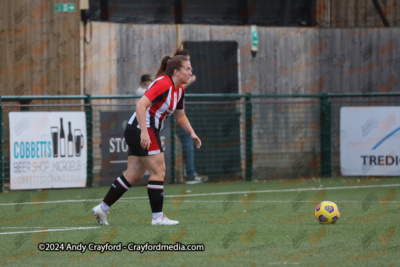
(245, 137)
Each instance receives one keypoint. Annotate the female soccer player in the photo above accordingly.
(163, 98)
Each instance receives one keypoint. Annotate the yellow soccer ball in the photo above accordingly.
(327, 212)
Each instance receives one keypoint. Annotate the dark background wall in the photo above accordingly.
(222, 12)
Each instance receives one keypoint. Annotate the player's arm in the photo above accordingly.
(183, 122)
(141, 108)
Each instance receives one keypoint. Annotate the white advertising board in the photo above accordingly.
(47, 150)
(370, 138)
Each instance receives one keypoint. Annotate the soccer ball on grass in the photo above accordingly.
(327, 212)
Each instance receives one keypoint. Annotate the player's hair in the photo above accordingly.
(169, 64)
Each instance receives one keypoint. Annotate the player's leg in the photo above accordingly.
(133, 173)
(155, 188)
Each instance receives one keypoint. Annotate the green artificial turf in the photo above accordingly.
(239, 223)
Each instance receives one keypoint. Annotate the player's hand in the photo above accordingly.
(145, 140)
(196, 139)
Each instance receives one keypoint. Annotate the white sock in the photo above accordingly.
(157, 214)
(104, 207)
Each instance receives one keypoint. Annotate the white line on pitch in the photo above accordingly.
(48, 230)
(288, 190)
(216, 194)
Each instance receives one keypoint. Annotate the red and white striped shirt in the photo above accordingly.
(165, 98)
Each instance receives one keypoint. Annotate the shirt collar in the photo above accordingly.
(171, 80)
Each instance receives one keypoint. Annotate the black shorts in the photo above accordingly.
(132, 138)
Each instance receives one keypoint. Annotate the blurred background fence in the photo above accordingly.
(244, 136)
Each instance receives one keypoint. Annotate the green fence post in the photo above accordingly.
(2, 146)
(249, 138)
(89, 141)
(173, 172)
(325, 136)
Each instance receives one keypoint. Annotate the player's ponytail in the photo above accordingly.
(169, 64)
(163, 66)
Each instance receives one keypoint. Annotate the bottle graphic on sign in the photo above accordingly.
(62, 139)
(70, 141)
(54, 138)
